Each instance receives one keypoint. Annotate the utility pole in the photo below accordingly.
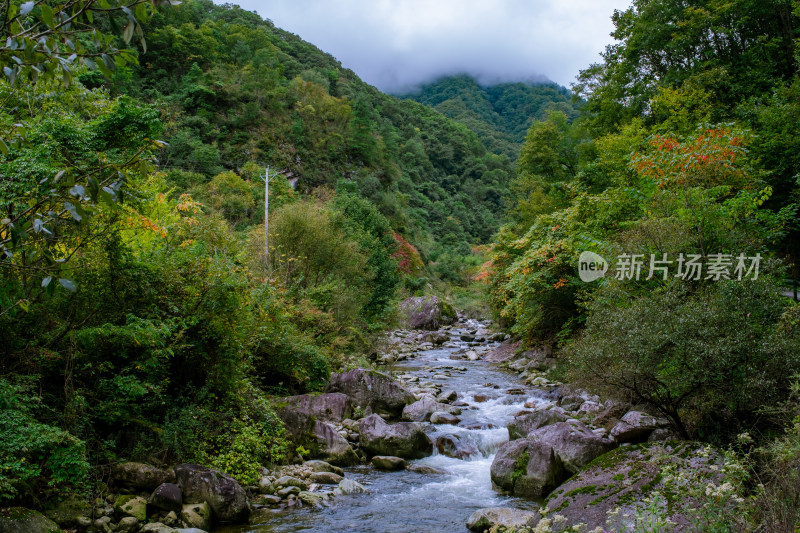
(266, 214)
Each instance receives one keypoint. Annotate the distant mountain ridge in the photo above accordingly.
(500, 114)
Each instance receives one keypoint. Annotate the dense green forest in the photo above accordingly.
(499, 114)
(141, 317)
(686, 144)
(138, 316)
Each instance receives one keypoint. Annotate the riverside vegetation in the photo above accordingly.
(139, 320)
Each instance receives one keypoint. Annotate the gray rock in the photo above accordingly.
(287, 491)
(190, 530)
(227, 499)
(289, 481)
(349, 486)
(575, 445)
(454, 446)
(311, 498)
(129, 505)
(128, 524)
(426, 312)
(269, 499)
(535, 465)
(21, 520)
(197, 515)
(447, 396)
(327, 444)
(422, 409)
(504, 352)
(523, 467)
(388, 462)
(441, 417)
(368, 388)
(636, 426)
(134, 478)
(497, 517)
(404, 439)
(157, 527)
(167, 497)
(571, 402)
(171, 519)
(103, 524)
(326, 478)
(330, 407)
(437, 338)
(524, 424)
(425, 469)
(623, 478)
(322, 466)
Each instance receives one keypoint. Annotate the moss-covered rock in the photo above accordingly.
(130, 505)
(614, 484)
(66, 512)
(21, 520)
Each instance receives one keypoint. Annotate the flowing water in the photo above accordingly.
(407, 501)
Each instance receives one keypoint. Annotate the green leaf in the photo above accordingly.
(68, 284)
(46, 281)
(46, 13)
(141, 12)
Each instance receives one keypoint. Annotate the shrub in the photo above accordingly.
(34, 455)
(702, 357)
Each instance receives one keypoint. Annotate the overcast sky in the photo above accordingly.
(396, 44)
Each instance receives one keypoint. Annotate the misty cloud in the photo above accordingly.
(397, 44)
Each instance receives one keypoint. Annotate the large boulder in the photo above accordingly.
(426, 312)
(133, 478)
(614, 485)
(636, 426)
(21, 520)
(306, 421)
(497, 517)
(549, 455)
(329, 446)
(296, 410)
(370, 389)
(422, 409)
(575, 445)
(404, 439)
(525, 423)
(504, 352)
(227, 499)
(524, 467)
(167, 497)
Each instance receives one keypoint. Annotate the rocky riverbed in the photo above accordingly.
(459, 428)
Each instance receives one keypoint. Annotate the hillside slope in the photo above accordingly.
(499, 114)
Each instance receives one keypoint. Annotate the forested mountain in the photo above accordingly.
(139, 310)
(235, 90)
(499, 114)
